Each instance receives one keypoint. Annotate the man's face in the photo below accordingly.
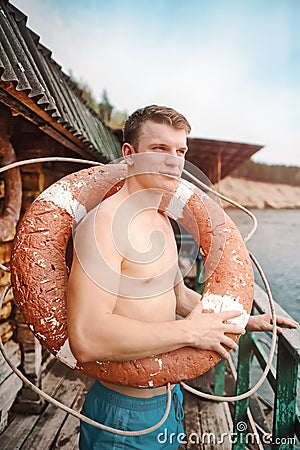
(159, 155)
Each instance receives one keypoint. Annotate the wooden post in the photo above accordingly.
(218, 167)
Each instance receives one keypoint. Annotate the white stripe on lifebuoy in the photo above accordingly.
(61, 195)
(66, 356)
(220, 303)
(180, 198)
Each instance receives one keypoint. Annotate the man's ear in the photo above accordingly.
(127, 152)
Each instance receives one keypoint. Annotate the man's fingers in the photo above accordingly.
(281, 320)
(229, 343)
(286, 322)
(222, 352)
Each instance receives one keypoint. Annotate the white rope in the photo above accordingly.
(232, 202)
(3, 267)
(96, 163)
(271, 302)
(72, 411)
(184, 385)
(24, 162)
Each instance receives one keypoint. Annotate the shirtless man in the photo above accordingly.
(128, 309)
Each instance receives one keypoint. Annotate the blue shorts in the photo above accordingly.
(131, 413)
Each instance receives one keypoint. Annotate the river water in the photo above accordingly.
(276, 246)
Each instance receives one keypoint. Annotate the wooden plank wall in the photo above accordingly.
(10, 384)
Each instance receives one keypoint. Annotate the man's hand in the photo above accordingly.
(209, 330)
(263, 322)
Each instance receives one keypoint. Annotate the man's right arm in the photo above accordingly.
(96, 333)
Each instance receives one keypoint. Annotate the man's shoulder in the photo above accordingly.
(95, 231)
(99, 217)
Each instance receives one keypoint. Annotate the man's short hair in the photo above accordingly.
(158, 114)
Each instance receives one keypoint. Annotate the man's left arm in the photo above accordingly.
(263, 322)
(186, 299)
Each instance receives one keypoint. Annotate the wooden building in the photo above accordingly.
(43, 113)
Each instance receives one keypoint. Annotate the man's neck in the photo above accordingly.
(141, 197)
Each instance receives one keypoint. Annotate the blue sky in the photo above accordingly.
(231, 66)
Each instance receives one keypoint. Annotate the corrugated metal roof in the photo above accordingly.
(218, 158)
(27, 65)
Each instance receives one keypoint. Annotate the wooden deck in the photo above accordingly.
(55, 429)
(207, 424)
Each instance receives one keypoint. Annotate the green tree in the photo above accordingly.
(105, 107)
(268, 173)
(112, 116)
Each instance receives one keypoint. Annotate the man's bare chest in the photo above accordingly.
(151, 248)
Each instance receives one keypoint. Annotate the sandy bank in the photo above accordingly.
(258, 195)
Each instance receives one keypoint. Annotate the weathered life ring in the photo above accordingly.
(13, 183)
(40, 273)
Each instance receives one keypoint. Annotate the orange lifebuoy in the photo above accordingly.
(39, 271)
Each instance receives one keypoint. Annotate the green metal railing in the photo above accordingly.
(283, 380)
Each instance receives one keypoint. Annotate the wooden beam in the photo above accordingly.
(21, 104)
